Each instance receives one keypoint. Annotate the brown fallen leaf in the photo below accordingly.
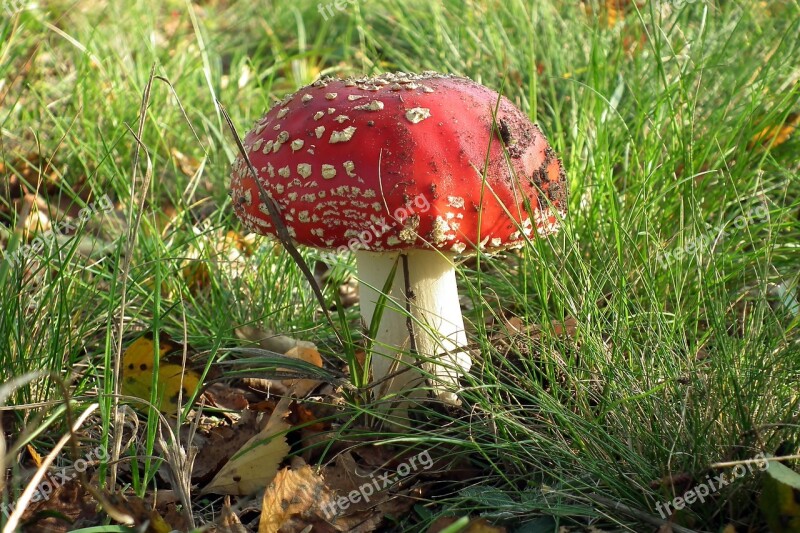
(290, 347)
(356, 493)
(775, 136)
(188, 164)
(294, 500)
(345, 496)
(304, 353)
(299, 499)
(72, 507)
(301, 387)
(674, 483)
(227, 397)
(144, 516)
(35, 216)
(220, 443)
(168, 505)
(34, 175)
(256, 463)
(365, 495)
(69, 505)
(611, 12)
(269, 340)
(615, 11)
(228, 522)
(27, 173)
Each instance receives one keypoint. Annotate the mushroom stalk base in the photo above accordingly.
(435, 319)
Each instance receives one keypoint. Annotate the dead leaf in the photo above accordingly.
(475, 525)
(309, 354)
(674, 483)
(256, 463)
(143, 513)
(301, 415)
(229, 522)
(364, 495)
(30, 174)
(72, 507)
(68, 506)
(290, 347)
(269, 340)
(270, 387)
(300, 498)
(294, 500)
(174, 516)
(611, 12)
(780, 498)
(301, 387)
(34, 216)
(226, 397)
(615, 11)
(221, 443)
(775, 136)
(188, 164)
(168, 505)
(37, 459)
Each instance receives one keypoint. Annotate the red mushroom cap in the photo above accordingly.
(400, 161)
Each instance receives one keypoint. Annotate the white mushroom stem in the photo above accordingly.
(436, 322)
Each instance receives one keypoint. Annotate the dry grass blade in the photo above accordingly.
(280, 228)
(284, 366)
(126, 265)
(27, 495)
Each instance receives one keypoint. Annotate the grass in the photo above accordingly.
(673, 362)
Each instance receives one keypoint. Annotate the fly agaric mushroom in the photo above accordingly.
(421, 167)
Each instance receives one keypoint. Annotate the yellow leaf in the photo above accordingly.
(780, 498)
(294, 495)
(301, 387)
(138, 363)
(186, 163)
(308, 354)
(37, 459)
(776, 135)
(256, 463)
(614, 12)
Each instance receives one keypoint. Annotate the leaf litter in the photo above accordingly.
(265, 448)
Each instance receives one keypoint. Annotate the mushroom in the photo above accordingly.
(409, 170)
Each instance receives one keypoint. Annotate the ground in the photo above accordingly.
(632, 372)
